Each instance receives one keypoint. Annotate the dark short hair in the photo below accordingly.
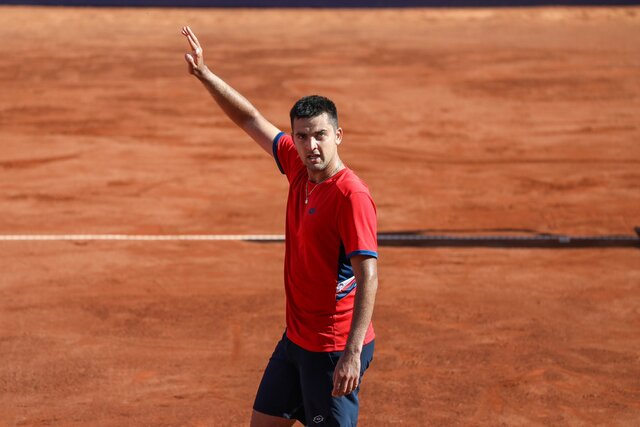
(313, 106)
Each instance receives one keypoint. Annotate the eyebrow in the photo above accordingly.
(302, 133)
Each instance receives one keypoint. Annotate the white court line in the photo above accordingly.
(142, 237)
(185, 237)
(281, 237)
(176, 237)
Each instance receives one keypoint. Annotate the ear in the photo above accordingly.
(338, 136)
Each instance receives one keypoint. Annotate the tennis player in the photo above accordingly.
(330, 271)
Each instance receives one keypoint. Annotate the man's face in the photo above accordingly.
(317, 142)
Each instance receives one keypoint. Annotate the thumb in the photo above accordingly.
(335, 383)
(189, 59)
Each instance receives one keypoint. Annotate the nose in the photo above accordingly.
(313, 144)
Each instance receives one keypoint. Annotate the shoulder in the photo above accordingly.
(281, 143)
(286, 155)
(354, 194)
(349, 184)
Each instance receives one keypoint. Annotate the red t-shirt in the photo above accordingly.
(338, 222)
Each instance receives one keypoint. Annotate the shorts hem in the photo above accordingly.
(285, 416)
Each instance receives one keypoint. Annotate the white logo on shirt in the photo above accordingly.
(318, 419)
(341, 285)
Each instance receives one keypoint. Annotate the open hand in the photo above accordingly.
(194, 59)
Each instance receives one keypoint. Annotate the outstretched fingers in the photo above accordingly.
(193, 36)
(193, 40)
(194, 59)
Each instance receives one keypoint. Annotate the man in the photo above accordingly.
(331, 251)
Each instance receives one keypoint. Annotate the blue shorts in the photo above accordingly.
(297, 384)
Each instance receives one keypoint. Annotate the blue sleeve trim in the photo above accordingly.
(274, 147)
(367, 253)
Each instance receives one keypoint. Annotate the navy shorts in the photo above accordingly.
(297, 384)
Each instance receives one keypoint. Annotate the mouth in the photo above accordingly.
(314, 158)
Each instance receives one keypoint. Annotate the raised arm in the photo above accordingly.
(235, 106)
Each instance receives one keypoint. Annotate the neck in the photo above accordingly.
(319, 176)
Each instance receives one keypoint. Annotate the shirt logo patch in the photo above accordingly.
(312, 211)
(318, 419)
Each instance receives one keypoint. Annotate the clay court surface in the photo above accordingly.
(461, 121)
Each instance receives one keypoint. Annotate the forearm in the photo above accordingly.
(362, 313)
(234, 105)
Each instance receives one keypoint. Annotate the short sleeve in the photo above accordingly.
(358, 225)
(285, 154)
